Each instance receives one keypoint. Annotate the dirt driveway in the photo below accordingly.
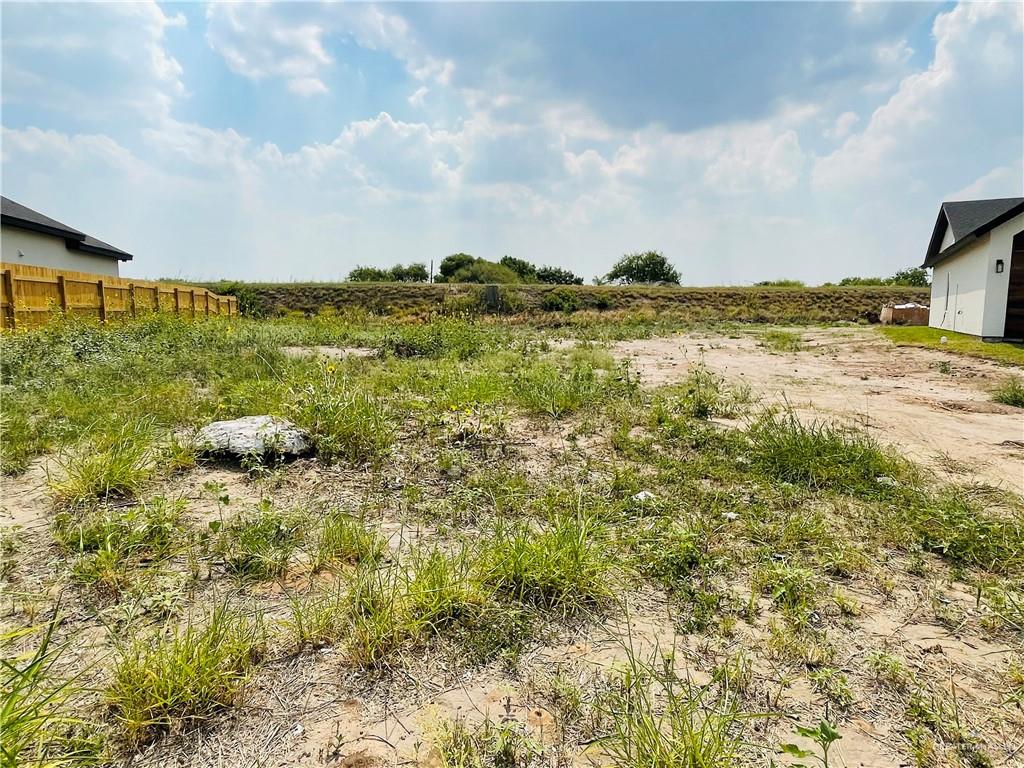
(933, 405)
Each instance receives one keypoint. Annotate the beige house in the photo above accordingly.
(29, 237)
(977, 259)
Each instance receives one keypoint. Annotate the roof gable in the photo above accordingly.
(14, 214)
(968, 220)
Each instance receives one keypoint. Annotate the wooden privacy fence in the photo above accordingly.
(30, 294)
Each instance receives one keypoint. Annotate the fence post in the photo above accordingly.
(177, 301)
(193, 292)
(62, 293)
(131, 298)
(9, 297)
(101, 289)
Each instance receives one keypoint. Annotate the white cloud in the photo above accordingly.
(263, 40)
(81, 43)
(958, 101)
(843, 125)
(417, 98)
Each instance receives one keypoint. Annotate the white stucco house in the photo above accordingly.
(29, 237)
(976, 255)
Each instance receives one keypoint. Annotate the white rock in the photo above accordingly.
(943, 340)
(253, 435)
(643, 496)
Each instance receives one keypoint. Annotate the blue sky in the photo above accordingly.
(747, 141)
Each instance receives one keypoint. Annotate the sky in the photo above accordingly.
(294, 141)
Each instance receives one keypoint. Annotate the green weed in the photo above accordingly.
(110, 466)
(1010, 392)
(343, 538)
(822, 456)
(259, 543)
(182, 680)
(344, 421)
(565, 567)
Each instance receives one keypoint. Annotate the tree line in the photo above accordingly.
(641, 268)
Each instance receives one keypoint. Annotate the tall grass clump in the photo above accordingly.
(114, 464)
(258, 544)
(344, 421)
(110, 540)
(663, 720)
(548, 388)
(1010, 392)
(958, 527)
(19, 442)
(344, 538)
(823, 456)
(565, 567)
(179, 681)
(442, 337)
(38, 722)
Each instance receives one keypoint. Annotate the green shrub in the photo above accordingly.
(560, 300)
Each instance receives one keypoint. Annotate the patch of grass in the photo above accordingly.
(823, 456)
(704, 395)
(957, 343)
(345, 422)
(180, 681)
(781, 341)
(955, 524)
(792, 588)
(114, 465)
(1010, 392)
(505, 744)
(661, 719)
(19, 442)
(889, 669)
(111, 540)
(565, 567)
(343, 538)
(315, 620)
(833, 685)
(258, 544)
(38, 719)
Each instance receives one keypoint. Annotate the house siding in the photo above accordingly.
(20, 246)
(968, 295)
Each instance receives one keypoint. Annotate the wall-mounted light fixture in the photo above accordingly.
(999, 266)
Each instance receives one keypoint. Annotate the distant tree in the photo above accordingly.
(558, 276)
(527, 272)
(452, 264)
(483, 271)
(645, 267)
(862, 281)
(414, 273)
(914, 276)
(368, 275)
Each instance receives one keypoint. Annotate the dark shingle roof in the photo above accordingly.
(969, 220)
(14, 214)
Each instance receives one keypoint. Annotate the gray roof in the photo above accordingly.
(14, 214)
(969, 220)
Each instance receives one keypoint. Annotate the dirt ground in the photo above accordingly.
(311, 709)
(933, 405)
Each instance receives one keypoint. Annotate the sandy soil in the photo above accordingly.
(903, 395)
